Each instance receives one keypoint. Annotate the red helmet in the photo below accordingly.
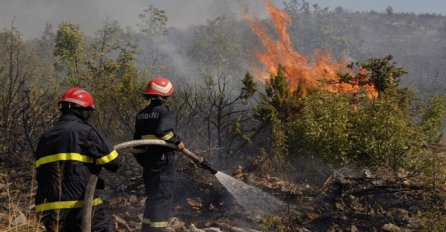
(79, 97)
(160, 86)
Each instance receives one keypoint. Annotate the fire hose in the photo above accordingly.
(91, 186)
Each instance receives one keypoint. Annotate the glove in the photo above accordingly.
(180, 146)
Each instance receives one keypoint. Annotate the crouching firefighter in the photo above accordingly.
(156, 121)
(66, 155)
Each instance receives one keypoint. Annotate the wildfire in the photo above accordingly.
(316, 72)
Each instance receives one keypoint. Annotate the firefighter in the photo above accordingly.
(156, 121)
(66, 155)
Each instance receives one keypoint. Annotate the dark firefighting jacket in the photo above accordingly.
(156, 121)
(67, 154)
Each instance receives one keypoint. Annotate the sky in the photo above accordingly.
(415, 6)
(30, 16)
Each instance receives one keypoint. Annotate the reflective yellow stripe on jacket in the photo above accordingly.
(65, 205)
(164, 137)
(64, 156)
(158, 224)
(76, 157)
(107, 158)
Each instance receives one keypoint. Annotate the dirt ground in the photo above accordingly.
(341, 203)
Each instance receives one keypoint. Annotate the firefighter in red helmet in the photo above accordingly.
(66, 155)
(156, 121)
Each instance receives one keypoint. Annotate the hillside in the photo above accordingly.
(338, 116)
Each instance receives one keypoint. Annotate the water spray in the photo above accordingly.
(91, 186)
(254, 200)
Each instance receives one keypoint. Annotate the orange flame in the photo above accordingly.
(318, 72)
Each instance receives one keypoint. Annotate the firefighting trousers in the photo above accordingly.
(70, 220)
(158, 205)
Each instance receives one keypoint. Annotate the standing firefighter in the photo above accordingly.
(156, 121)
(66, 156)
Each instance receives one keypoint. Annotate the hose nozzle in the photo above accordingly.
(202, 163)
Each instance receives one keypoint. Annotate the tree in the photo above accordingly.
(389, 10)
(323, 130)
(68, 52)
(223, 110)
(26, 99)
(218, 44)
(45, 45)
(279, 105)
(153, 21)
(382, 72)
(314, 28)
(152, 40)
(385, 134)
(114, 79)
(433, 119)
(348, 128)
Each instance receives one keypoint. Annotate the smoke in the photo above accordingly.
(30, 16)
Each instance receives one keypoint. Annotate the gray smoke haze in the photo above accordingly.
(30, 16)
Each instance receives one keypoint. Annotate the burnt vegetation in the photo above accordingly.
(343, 162)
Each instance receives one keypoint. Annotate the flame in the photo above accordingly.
(318, 71)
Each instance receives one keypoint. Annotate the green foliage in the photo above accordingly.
(431, 163)
(249, 87)
(433, 220)
(343, 129)
(238, 131)
(339, 129)
(384, 134)
(432, 119)
(153, 21)
(152, 42)
(246, 93)
(44, 48)
(433, 216)
(218, 43)
(68, 41)
(26, 99)
(69, 51)
(266, 113)
(383, 73)
(324, 129)
(106, 68)
(115, 80)
(373, 133)
(285, 223)
(279, 103)
(369, 132)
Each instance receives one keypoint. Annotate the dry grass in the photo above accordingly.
(17, 197)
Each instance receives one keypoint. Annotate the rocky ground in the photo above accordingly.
(201, 204)
(342, 203)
